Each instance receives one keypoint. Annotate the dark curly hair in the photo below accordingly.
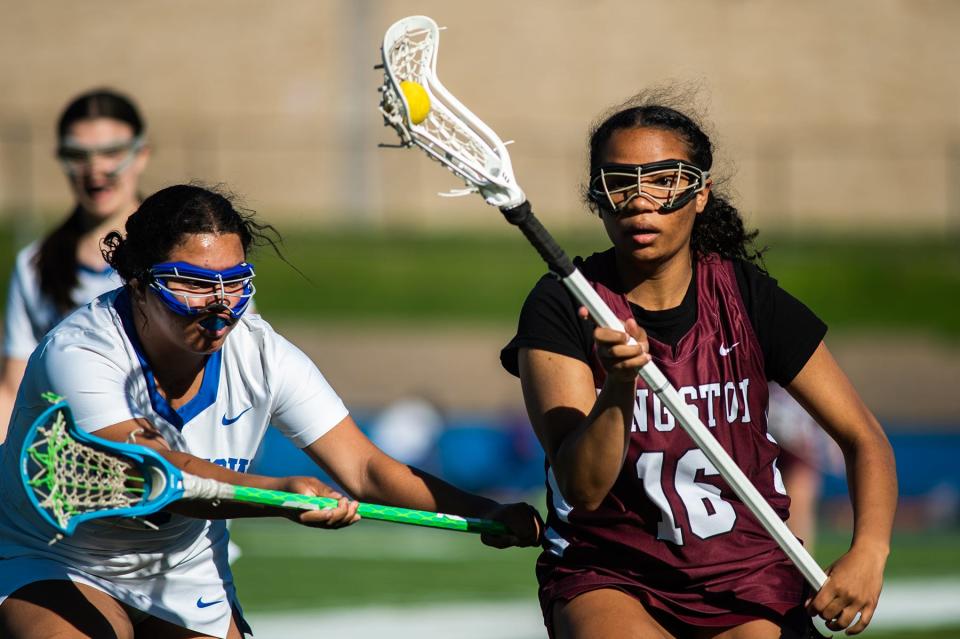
(719, 228)
(164, 218)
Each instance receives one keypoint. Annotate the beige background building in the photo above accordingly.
(828, 115)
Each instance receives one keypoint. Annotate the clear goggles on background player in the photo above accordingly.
(668, 184)
(191, 290)
(114, 158)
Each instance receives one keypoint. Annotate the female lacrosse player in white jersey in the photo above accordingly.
(102, 150)
(171, 361)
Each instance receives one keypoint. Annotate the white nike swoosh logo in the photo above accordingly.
(726, 351)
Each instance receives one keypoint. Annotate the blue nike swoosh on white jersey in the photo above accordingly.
(229, 420)
(204, 604)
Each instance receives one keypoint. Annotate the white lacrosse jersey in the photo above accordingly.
(93, 358)
(29, 314)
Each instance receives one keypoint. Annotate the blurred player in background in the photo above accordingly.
(806, 453)
(102, 148)
(643, 536)
(173, 362)
(408, 428)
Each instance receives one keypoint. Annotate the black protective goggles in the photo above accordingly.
(667, 184)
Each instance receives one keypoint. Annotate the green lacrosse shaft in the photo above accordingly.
(370, 511)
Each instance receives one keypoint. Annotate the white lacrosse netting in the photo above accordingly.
(70, 478)
(450, 134)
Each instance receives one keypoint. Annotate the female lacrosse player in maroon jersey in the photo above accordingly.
(644, 539)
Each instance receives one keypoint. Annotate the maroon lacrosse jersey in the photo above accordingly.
(671, 532)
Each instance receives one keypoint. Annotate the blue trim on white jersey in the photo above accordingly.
(106, 272)
(205, 397)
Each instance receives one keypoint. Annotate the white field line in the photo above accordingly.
(463, 621)
(904, 604)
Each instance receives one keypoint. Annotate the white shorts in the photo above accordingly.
(195, 594)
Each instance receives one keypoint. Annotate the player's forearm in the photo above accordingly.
(202, 468)
(872, 476)
(588, 461)
(221, 510)
(393, 483)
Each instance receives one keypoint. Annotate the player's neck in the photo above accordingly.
(177, 372)
(657, 286)
(178, 379)
(88, 247)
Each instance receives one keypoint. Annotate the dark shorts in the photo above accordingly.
(778, 596)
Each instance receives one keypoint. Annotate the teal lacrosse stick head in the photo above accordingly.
(71, 476)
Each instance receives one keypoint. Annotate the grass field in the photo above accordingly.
(876, 284)
(288, 568)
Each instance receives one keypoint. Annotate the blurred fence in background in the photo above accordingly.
(828, 115)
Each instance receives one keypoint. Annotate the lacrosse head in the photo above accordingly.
(449, 133)
(71, 476)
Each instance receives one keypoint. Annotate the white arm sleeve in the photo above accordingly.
(305, 406)
(18, 335)
(93, 375)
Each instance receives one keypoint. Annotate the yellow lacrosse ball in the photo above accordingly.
(417, 100)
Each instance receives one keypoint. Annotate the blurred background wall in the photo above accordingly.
(828, 115)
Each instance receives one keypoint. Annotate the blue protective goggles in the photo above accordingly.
(190, 290)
